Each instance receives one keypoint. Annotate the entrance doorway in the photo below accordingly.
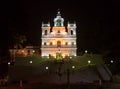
(58, 43)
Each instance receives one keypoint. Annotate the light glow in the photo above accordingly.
(89, 61)
(33, 51)
(63, 43)
(69, 43)
(53, 43)
(48, 43)
(22, 51)
(73, 67)
(111, 61)
(30, 62)
(86, 51)
(46, 67)
(8, 63)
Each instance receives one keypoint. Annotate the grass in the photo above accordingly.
(25, 69)
(41, 63)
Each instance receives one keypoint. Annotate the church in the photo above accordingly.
(58, 39)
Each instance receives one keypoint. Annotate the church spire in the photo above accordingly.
(58, 13)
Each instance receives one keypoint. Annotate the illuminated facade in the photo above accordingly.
(58, 39)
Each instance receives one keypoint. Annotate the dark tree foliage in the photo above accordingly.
(112, 60)
(4, 58)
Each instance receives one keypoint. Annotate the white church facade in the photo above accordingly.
(58, 39)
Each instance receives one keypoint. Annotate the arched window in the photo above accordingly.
(45, 32)
(28, 52)
(66, 43)
(72, 43)
(44, 43)
(59, 43)
(51, 43)
(71, 32)
(58, 31)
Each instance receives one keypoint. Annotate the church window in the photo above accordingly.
(51, 43)
(58, 22)
(71, 32)
(72, 43)
(66, 43)
(58, 31)
(45, 32)
(58, 43)
(44, 43)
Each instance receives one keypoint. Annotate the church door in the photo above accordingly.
(59, 43)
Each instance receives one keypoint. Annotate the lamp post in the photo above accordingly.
(86, 51)
(89, 61)
(68, 78)
(111, 61)
(47, 69)
(30, 62)
(73, 68)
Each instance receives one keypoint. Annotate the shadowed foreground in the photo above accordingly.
(62, 86)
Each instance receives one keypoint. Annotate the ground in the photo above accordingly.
(77, 66)
(35, 71)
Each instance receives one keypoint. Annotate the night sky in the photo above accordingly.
(98, 22)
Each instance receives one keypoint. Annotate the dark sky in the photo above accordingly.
(98, 21)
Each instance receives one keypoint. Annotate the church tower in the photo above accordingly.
(59, 40)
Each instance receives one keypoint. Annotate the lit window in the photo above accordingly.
(69, 43)
(59, 43)
(58, 31)
(66, 43)
(51, 43)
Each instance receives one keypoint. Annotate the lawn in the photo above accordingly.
(77, 62)
(23, 69)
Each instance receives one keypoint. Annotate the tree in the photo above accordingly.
(19, 41)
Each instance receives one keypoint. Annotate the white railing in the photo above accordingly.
(55, 46)
(59, 36)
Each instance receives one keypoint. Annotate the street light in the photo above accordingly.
(8, 63)
(73, 67)
(111, 61)
(30, 62)
(89, 61)
(46, 67)
(86, 51)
